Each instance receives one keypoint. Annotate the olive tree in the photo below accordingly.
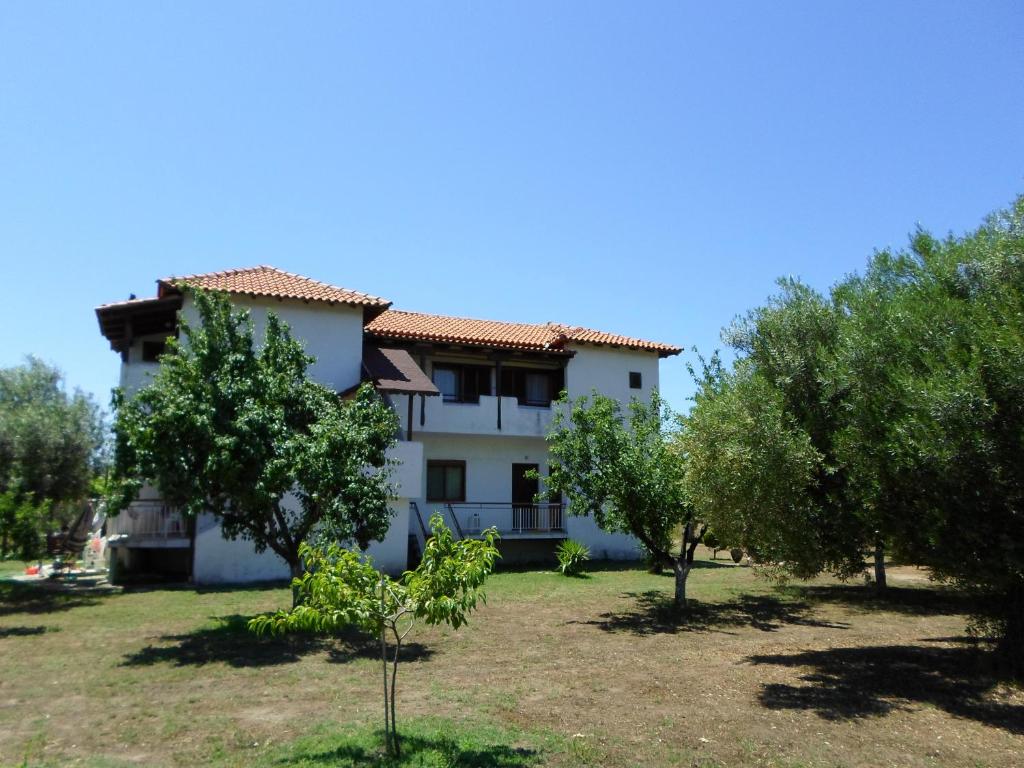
(234, 427)
(340, 589)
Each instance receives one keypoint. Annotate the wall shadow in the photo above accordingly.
(17, 597)
(231, 642)
(861, 682)
(654, 613)
(416, 751)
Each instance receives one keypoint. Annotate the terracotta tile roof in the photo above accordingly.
(397, 324)
(271, 282)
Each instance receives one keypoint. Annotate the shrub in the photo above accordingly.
(572, 555)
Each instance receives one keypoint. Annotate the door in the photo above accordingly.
(524, 511)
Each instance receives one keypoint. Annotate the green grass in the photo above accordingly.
(595, 671)
(11, 568)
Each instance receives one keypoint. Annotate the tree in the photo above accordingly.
(788, 377)
(235, 430)
(749, 467)
(340, 589)
(50, 439)
(21, 526)
(626, 474)
(937, 432)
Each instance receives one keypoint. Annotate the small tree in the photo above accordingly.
(627, 475)
(712, 542)
(340, 590)
(233, 429)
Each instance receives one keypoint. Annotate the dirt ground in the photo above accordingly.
(593, 671)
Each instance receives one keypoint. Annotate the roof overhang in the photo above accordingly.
(394, 372)
(126, 320)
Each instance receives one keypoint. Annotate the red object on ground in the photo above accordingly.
(32, 570)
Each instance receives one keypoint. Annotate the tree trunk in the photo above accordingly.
(296, 571)
(1010, 647)
(681, 569)
(394, 677)
(879, 566)
(384, 667)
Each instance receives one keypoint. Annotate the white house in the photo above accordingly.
(474, 399)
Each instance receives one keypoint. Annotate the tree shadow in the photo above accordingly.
(17, 597)
(416, 751)
(931, 600)
(655, 613)
(231, 642)
(22, 631)
(857, 682)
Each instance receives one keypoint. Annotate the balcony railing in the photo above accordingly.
(509, 518)
(148, 519)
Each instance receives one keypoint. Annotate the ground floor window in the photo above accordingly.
(446, 480)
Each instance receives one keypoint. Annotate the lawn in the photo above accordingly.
(553, 671)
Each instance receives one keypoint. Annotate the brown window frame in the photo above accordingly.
(442, 464)
(636, 380)
(481, 374)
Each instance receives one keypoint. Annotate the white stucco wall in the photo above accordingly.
(333, 335)
(222, 561)
(606, 369)
(489, 463)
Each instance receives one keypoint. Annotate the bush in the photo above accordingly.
(572, 555)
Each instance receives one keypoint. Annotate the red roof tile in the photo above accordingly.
(271, 282)
(397, 324)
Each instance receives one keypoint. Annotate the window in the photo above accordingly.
(462, 383)
(536, 387)
(151, 350)
(635, 380)
(446, 481)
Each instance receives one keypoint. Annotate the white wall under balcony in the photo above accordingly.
(475, 418)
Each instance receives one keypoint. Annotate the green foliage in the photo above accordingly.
(891, 413)
(21, 526)
(232, 426)
(50, 439)
(341, 589)
(624, 470)
(934, 353)
(572, 556)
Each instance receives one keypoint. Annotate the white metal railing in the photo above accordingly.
(154, 519)
(507, 517)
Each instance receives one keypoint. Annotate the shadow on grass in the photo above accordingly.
(860, 682)
(231, 642)
(655, 613)
(929, 600)
(16, 597)
(417, 751)
(21, 631)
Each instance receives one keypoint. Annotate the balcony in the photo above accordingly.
(148, 524)
(513, 521)
(475, 418)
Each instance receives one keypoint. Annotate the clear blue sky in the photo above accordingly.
(644, 168)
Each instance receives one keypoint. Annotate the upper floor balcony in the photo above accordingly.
(489, 415)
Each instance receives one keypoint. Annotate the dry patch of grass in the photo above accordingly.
(553, 671)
